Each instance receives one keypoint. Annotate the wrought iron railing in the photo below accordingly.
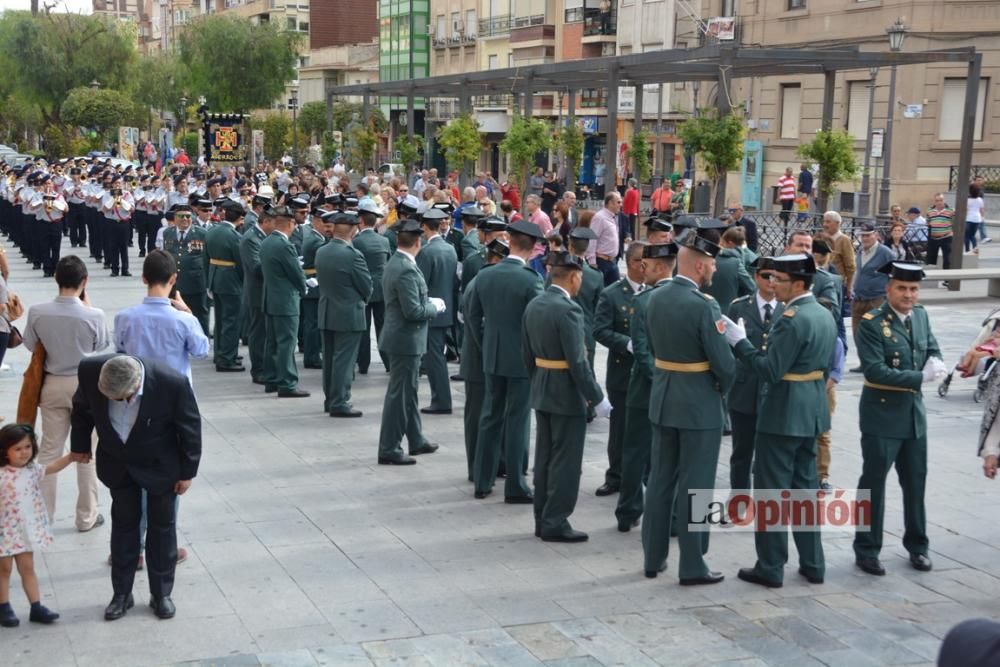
(494, 26)
(989, 173)
(596, 22)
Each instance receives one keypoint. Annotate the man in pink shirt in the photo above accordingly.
(605, 248)
(533, 207)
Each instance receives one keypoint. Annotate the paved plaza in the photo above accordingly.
(303, 551)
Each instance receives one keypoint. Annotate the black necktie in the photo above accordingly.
(906, 323)
(767, 314)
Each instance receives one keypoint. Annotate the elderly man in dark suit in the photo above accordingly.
(148, 439)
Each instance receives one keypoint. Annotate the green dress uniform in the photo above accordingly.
(638, 429)
(494, 315)
(744, 395)
(225, 279)
(404, 341)
(345, 285)
(376, 250)
(188, 249)
(794, 368)
(284, 286)
(469, 246)
(562, 390)
(587, 298)
(694, 370)
(456, 238)
(893, 420)
(731, 279)
(612, 329)
(253, 296)
(471, 369)
(828, 288)
(312, 241)
(439, 264)
(390, 236)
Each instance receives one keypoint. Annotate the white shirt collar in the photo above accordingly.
(565, 293)
(687, 279)
(520, 259)
(636, 287)
(760, 302)
(407, 255)
(901, 316)
(804, 294)
(282, 233)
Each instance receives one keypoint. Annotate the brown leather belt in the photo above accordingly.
(606, 258)
(221, 262)
(552, 364)
(802, 377)
(309, 272)
(679, 367)
(885, 387)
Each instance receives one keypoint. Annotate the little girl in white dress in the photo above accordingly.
(24, 521)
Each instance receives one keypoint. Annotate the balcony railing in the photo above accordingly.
(526, 21)
(493, 101)
(596, 22)
(494, 26)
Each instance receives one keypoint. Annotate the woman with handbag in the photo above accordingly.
(10, 310)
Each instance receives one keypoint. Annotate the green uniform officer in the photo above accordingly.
(439, 264)
(225, 279)
(186, 242)
(613, 329)
(408, 310)
(470, 217)
(345, 286)
(489, 228)
(590, 292)
(898, 353)
(658, 262)
(758, 311)
(794, 367)
(313, 238)
(562, 390)
(284, 285)
(730, 280)
(376, 250)
(253, 292)
(694, 370)
(495, 316)
(471, 363)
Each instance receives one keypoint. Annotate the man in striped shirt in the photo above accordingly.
(786, 194)
(939, 232)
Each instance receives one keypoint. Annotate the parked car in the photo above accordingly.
(389, 169)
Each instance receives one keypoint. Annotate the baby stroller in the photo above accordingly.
(984, 369)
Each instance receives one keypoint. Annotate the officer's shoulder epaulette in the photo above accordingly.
(790, 311)
(869, 315)
(739, 299)
(918, 306)
(707, 297)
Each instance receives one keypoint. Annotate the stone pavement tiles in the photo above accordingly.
(304, 552)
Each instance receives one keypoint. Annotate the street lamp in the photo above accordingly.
(183, 114)
(95, 84)
(864, 197)
(897, 33)
(293, 104)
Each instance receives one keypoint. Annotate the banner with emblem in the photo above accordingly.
(225, 138)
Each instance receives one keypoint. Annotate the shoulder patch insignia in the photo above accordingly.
(868, 316)
(720, 326)
(708, 297)
(790, 312)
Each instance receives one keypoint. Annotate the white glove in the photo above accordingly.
(629, 347)
(735, 331)
(438, 303)
(302, 261)
(603, 409)
(312, 282)
(934, 370)
(461, 317)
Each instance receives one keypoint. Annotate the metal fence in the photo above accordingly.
(989, 173)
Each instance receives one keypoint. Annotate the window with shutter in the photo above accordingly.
(950, 109)
(859, 93)
(791, 109)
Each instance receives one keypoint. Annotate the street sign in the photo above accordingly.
(877, 143)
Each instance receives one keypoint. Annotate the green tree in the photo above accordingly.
(331, 148)
(719, 140)
(312, 120)
(58, 142)
(18, 119)
(191, 143)
(101, 109)
(526, 138)
(833, 151)
(158, 84)
(570, 141)
(410, 149)
(216, 48)
(45, 56)
(344, 113)
(461, 141)
(359, 147)
(276, 128)
(638, 152)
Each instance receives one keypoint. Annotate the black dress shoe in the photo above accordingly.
(126, 274)
(315, 367)
(258, 381)
(871, 566)
(269, 388)
(436, 411)
(625, 526)
(651, 574)
(346, 414)
(362, 371)
(230, 369)
(42, 614)
(142, 253)
(163, 607)
(519, 500)
(538, 530)
(118, 606)
(811, 578)
(920, 562)
(710, 578)
(396, 460)
(857, 369)
(569, 536)
(749, 575)
(457, 377)
(606, 490)
(426, 448)
(293, 393)
(114, 274)
(482, 494)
